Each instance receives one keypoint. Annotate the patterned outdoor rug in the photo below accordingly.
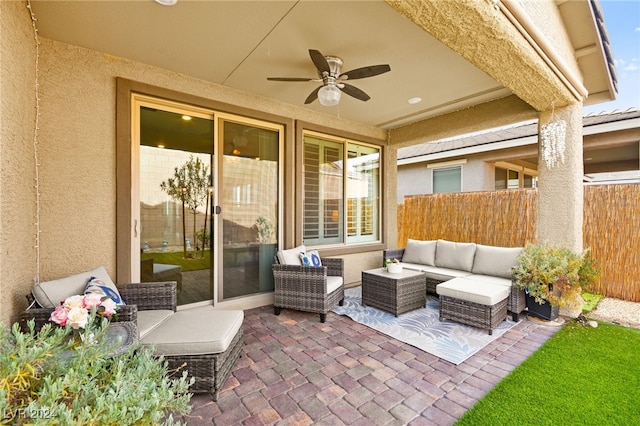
(422, 328)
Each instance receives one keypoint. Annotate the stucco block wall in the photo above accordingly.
(17, 189)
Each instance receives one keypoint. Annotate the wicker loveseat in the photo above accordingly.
(203, 341)
(443, 260)
(307, 288)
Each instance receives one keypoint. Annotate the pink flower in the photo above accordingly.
(109, 307)
(59, 316)
(91, 301)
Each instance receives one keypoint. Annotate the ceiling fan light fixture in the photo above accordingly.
(329, 95)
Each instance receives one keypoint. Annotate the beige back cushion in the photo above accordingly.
(291, 256)
(421, 252)
(495, 261)
(455, 255)
(49, 294)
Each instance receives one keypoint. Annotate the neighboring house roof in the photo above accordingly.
(508, 137)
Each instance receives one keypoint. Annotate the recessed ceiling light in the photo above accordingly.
(186, 117)
(414, 100)
(166, 2)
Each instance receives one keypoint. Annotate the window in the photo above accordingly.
(341, 204)
(447, 179)
(514, 177)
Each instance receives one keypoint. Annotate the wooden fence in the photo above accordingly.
(508, 218)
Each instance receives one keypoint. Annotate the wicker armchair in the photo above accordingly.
(209, 370)
(139, 296)
(309, 288)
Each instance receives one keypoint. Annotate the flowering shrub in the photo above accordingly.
(75, 311)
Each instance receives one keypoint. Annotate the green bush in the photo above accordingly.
(554, 274)
(53, 377)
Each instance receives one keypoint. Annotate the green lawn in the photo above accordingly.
(581, 376)
(177, 258)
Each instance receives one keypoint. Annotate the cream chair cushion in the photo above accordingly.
(196, 331)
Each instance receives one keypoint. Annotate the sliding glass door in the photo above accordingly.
(208, 188)
(249, 179)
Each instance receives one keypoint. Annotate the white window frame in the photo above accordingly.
(447, 165)
(344, 238)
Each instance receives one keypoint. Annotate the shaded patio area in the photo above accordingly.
(297, 371)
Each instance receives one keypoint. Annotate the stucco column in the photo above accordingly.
(560, 187)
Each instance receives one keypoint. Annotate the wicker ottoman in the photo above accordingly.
(394, 293)
(473, 302)
(207, 340)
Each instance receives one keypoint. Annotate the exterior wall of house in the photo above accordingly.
(77, 151)
(17, 189)
(415, 179)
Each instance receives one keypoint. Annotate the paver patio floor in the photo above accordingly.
(296, 370)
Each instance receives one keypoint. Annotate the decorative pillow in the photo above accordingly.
(421, 252)
(311, 258)
(49, 294)
(99, 287)
(291, 256)
(305, 259)
(315, 258)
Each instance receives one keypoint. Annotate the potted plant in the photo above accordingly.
(552, 276)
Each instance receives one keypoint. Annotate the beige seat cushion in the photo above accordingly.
(149, 320)
(490, 279)
(443, 274)
(412, 266)
(195, 331)
(482, 293)
(333, 283)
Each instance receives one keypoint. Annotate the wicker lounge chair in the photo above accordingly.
(309, 288)
(203, 341)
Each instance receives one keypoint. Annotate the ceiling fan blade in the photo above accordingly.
(319, 60)
(289, 79)
(354, 91)
(364, 72)
(312, 96)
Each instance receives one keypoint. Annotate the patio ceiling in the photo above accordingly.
(239, 44)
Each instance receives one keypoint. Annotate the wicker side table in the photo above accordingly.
(394, 293)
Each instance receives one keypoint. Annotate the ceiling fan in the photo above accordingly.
(333, 79)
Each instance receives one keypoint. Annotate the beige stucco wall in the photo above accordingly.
(560, 187)
(17, 190)
(546, 16)
(79, 124)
